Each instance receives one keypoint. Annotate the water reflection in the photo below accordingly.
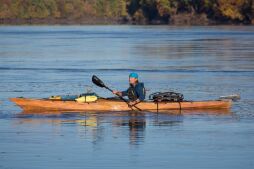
(93, 127)
(136, 124)
(165, 120)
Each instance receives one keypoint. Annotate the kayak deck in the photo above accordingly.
(103, 105)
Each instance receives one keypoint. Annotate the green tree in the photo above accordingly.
(37, 9)
(52, 7)
(149, 8)
(133, 6)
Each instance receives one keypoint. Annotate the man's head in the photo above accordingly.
(133, 78)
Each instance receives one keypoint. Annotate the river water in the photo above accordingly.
(200, 62)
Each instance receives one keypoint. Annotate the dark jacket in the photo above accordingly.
(135, 92)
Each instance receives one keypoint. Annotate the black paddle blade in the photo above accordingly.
(97, 81)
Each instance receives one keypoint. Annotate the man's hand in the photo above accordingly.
(133, 103)
(117, 93)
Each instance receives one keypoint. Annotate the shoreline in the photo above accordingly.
(105, 21)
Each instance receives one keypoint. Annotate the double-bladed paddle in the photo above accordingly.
(100, 83)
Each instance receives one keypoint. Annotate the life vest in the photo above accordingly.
(132, 93)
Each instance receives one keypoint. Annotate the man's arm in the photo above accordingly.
(123, 93)
(141, 93)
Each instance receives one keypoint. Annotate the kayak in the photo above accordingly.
(106, 105)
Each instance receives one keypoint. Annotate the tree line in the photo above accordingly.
(133, 11)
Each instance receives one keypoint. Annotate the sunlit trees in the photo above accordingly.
(231, 9)
(136, 11)
(5, 11)
(72, 9)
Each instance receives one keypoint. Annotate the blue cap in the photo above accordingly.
(134, 75)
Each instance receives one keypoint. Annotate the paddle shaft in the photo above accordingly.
(124, 100)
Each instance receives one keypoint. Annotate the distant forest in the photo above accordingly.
(175, 12)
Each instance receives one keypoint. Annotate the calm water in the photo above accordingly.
(201, 62)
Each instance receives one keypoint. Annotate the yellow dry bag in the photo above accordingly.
(84, 99)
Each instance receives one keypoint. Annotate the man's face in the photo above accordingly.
(132, 80)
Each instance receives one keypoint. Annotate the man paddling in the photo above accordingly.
(136, 92)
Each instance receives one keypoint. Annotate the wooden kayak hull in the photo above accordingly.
(104, 105)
